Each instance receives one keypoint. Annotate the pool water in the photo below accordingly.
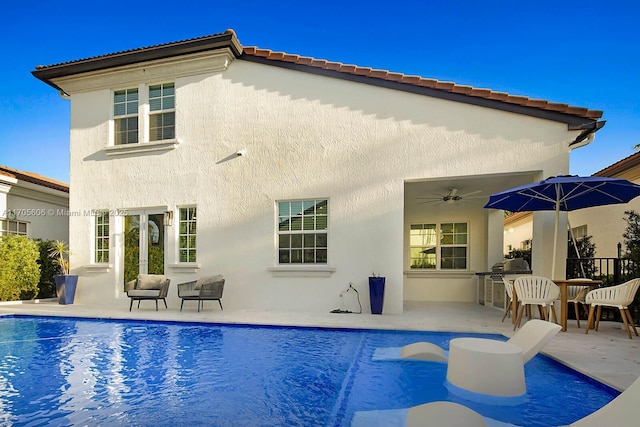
(63, 371)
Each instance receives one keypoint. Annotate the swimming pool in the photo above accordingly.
(64, 371)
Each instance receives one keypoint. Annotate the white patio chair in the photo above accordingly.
(619, 296)
(576, 295)
(508, 287)
(536, 290)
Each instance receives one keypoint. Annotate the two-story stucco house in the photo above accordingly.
(294, 176)
(33, 205)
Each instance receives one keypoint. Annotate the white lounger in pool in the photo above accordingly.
(531, 338)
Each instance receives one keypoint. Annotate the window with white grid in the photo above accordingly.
(302, 231)
(187, 234)
(125, 114)
(162, 116)
(101, 244)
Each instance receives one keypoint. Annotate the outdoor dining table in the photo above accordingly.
(564, 304)
(563, 284)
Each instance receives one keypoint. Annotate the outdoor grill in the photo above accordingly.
(509, 266)
(491, 287)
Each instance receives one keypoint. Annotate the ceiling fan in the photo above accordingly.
(451, 197)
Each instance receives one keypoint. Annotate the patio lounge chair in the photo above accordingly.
(620, 412)
(444, 414)
(531, 338)
(205, 288)
(148, 287)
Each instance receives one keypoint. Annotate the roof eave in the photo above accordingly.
(218, 41)
(573, 121)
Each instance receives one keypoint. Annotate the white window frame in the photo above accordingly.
(127, 114)
(5, 227)
(433, 240)
(167, 106)
(143, 115)
(187, 230)
(301, 248)
(101, 230)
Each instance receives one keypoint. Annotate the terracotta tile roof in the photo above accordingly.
(228, 39)
(422, 82)
(620, 166)
(34, 179)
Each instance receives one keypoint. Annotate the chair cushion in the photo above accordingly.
(144, 293)
(188, 294)
(150, 281)
(208, 279)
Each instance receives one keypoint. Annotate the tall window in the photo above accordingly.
(101, 246)
(187, 237)
(9, 226)
(441, 246)
(302, 232)
(162, 119)
(125, 113)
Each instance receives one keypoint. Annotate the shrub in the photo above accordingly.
(19, 271)
(48, 269)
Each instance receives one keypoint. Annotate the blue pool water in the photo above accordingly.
(63, 371)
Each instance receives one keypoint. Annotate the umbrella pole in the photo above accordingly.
(555, 239)
(575, 246)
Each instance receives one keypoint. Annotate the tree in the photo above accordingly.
(632, 239)
(586, 253)
(19, 271)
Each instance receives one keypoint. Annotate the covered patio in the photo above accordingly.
(608, 355)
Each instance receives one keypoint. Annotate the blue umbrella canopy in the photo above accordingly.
(564, 193)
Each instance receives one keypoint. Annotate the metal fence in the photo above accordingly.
(612, 271)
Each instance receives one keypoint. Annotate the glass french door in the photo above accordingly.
(144, 239)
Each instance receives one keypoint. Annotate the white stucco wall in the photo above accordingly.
(305, 136)
(43, 209)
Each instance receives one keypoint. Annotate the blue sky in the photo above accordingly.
(583, 53)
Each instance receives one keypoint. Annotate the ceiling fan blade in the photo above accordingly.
(470, 194)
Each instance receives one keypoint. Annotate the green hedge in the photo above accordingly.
(19, 270)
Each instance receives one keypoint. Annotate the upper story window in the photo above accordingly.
(302, 231)
(125, 114)
(442, 246)
(144, 114)
(101, 246)
(10, 226)
(187, 235)
(162, 116)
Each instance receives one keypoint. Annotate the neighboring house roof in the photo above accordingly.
(34, 179)
(630, 162)
(578, 118)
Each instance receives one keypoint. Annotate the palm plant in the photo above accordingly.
(60, 255)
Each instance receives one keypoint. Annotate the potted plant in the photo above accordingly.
(65, 283)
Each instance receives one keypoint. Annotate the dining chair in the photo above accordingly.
(620, 297)
(508, 287)
(536, 290)
(576, 295)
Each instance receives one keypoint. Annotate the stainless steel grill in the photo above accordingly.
(516, 265)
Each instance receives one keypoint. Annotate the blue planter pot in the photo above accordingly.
(66, 288)
(376, 294)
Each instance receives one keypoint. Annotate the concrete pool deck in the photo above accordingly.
(607, 355)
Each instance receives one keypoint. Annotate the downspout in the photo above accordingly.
(588, 133)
